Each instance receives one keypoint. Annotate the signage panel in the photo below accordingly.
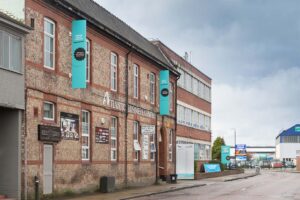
(240, 152)
(164, 92)
(102, 135)
(212, 168)
(69, 125)
(185, 161)
(49, 133)
(79, 54)
(225, 152)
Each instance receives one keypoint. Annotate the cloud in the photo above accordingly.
(259, 111)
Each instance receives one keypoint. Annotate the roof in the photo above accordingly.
(9, 20)
(94, 13)
(294, 130)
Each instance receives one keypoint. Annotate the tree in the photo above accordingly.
(216, 149)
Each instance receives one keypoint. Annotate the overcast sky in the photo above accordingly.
(250, 49)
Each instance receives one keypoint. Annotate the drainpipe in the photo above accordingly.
(175, 124)
(156, 152)
(126, 117)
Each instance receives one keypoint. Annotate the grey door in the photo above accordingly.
(48, 169)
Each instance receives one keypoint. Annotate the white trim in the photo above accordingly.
(114, 138)
(53, 111)
(193, 108)
(52, 36)
(113, 67)
(86, 134)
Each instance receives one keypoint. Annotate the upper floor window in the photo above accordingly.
(49, 43)
(136, 145)
(113, 71)
(10, 52)
(135, 81)
(171, 96)
(181, 79)
(88, 60)
(48, 111)
(85, 135)
(152, 88)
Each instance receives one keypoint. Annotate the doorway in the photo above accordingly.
(48, 169)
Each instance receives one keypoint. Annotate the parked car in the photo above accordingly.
(276, 164)
(289, 164)
(264, 164)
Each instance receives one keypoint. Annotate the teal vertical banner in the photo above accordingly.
(225, 153)
(164, 92)
(78, 54)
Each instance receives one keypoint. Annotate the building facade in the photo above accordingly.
(12, 103)
(288, 144)
(111, 128)
(193, 105)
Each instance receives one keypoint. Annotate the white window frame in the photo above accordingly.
(83, 134)
(88, 60)
(135, 81)
(53, 40)
(170, 145)
(113, 72)
(53, 111)
(114, 137)
(152, 142)
(152, 88)
(135, 138)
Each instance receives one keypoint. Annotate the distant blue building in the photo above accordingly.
(288, 144)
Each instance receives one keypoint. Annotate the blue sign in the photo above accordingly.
(211, 168)
(79, 54)
(225, 154)
(164, 92)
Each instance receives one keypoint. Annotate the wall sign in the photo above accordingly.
(78, 54)
(212, 168)
(102, 135)
(49, 133)
(69, 126)
(145, 146)
(164, 93)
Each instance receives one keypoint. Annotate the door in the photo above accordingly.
(163, 153)
(48, 168)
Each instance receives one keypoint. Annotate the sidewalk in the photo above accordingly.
(162, 188)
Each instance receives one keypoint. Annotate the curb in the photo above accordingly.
(244, 177)
(165, 191)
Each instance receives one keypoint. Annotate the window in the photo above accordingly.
(135, 81)
(201, 121)
(88, 60)
(49, 46)
(152, 88)
(188, 82)
(10, 52)
(195, 119)
(181, 79)
(195, 86)
(136, 145)
(188, 116)
(48, 111)
(170, 150)
(152, 146)
(206, 122)
(171, 96)
(85, 124)
(113, 71)
(113, 130)
(201, 90)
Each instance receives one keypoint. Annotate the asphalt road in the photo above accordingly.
(269, 185)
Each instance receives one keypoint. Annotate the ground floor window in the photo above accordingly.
(113, 132)
(170, 150)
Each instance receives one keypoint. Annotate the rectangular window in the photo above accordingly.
(113, 132)
(113, 71)
(195, 86)
(181, 79)
(135, 81)
(188, 116)
(49, 43)
(188, 82)
(201, 90)
(202, 126)
(195, 119)
(171, 96)
(10, 52)
(152, 88)
(152, 146)
(206, 122)
(170, 147)
(88, 60)
(48, 111)
(85, 124)
(136, 145)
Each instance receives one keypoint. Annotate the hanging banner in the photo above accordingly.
(78, 54)
(225, 154)
(164, 92)
(69, 126)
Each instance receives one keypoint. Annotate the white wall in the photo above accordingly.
(288, 150)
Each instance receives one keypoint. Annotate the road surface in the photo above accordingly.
(269, 185)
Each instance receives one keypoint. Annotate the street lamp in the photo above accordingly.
(234, 144)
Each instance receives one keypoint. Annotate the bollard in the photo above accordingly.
(257, 170)
(36, 188)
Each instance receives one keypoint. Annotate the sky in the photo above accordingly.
(250, 49)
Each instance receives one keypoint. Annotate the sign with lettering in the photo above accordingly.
(164, 93)
(120, 106)
(145, 145)
(102, 135)
(69, 126)
(49, 133)
(78, 54)
(148, 129)
(212, 168)
(225, 152)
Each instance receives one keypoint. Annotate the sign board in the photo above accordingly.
(136, 145)
(102, 135)
(185, 161)
(79, 54)
(240, 152)
(148, 129)
(297, 129)
(164, 92)
(69, 126)
(212, 168)
(49, 133)
(225, 152)
(145, 146)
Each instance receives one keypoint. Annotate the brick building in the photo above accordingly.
(193, 105)
(107, 128)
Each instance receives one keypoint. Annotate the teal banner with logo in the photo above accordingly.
(164, 92)
(79, 54)
(212, 168)
(225, 153)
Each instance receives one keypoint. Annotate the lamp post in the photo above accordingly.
(234, 145)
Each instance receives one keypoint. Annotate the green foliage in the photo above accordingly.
(196, 166)
(216, 149)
